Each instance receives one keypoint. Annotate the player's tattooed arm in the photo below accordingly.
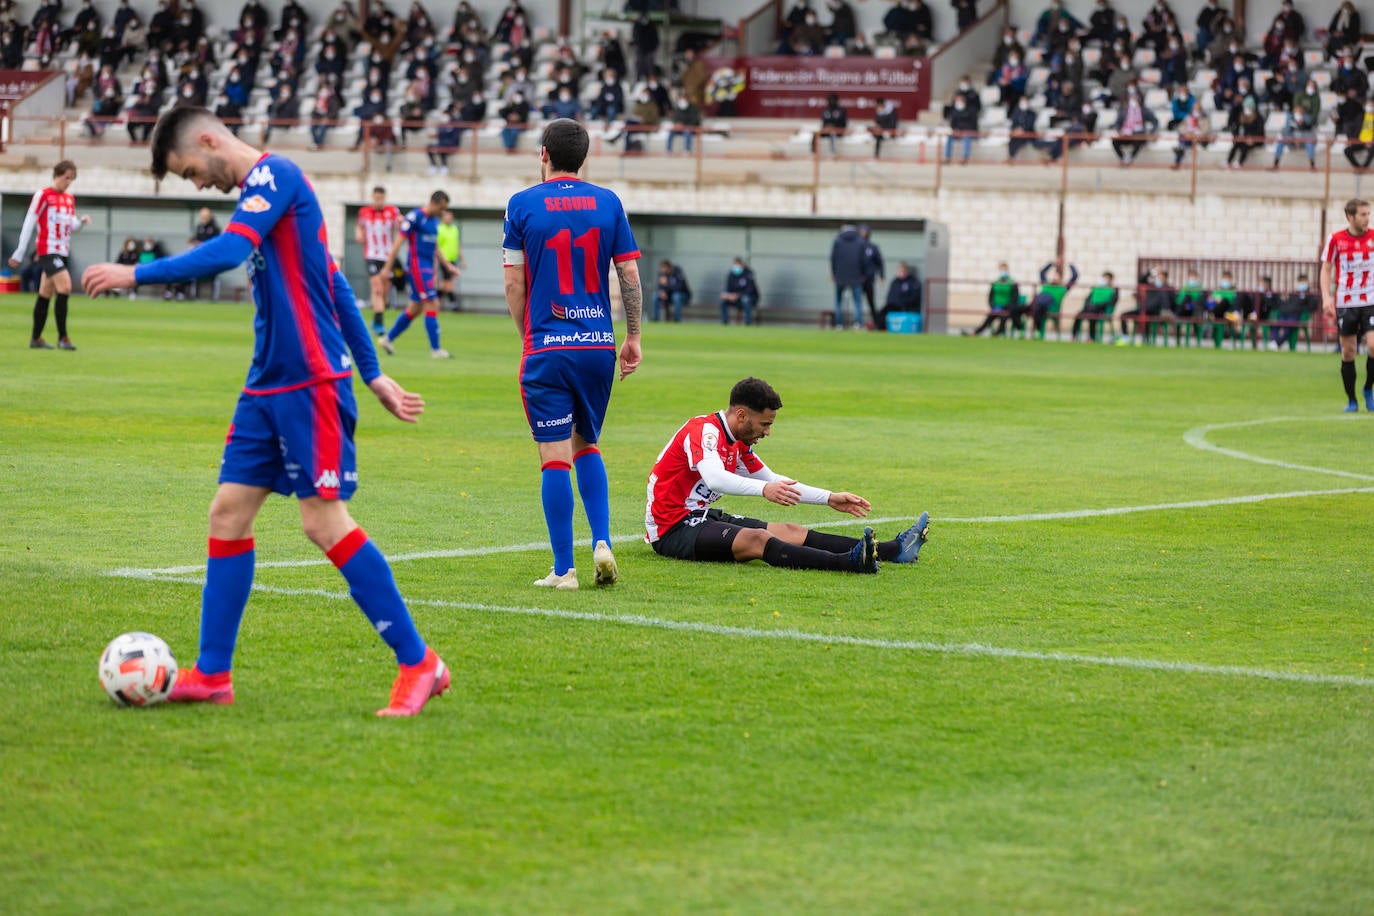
(631, 296)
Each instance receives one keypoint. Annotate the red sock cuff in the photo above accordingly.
(555, 466)
(219, 548)
(348, 545)
(589, 450)
(434, 314)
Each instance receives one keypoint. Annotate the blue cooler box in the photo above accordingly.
(904, 322)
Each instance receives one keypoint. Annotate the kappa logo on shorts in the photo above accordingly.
(57, 262)
(255, 204)
(328, 480)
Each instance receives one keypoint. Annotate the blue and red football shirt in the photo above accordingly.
(570, 231)
(298, 337)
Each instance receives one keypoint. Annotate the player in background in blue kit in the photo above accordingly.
(292, 431)
(420, 230)
(561, 237)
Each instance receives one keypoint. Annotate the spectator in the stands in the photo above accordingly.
(104, 110)
(1022, 133)
(834, 123)
(740, 292)
(1298, 130)
(658, 94)
(806, 38)
(965, 13)
(1011, 80)
(609, 103)
(1229, 83)
(963, 126)
(515, 117)
(1049, 21)
(1181, 104)
(1309, 99)
(520, 82)
(885, 124)
(141, 112)
(686, 119)
(1122, 78)
(610, 53)
(283, 112)
(161, 25)
(562, 105)
(1209, 17)
(843, 27)
(642, 120)
(1273, 43)
(1225, 46)
(1344, 30)
(1247, 132)
(694, 78)
(1008, 46)
(1193, 129)
(1348, 75)
(1293, 23)
(229, 113)
(858, 46)
(411, 113)
(418, 25)
(463, 82)
(1285, 86)
(449, 135)
(1135, 126)
(1173, 64)
(909, 17)
(506, 22)
(1101, 24)
(370, 113)
(1157, 25)
(645, 40)
(323, 114)
(1358, 127)
(293, 16)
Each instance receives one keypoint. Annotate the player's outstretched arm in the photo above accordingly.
(849, 503)
(405, 405)
(101, 278)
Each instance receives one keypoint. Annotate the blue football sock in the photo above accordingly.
(595, 491)
(228, 580)
(372, 585)
(556, 491)
(432, 329)
(399, 328)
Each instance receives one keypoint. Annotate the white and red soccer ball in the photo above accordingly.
(137, 669)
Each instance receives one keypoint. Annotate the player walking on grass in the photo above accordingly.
(376, 231)
(420, 231)
(1347, 280)
(292, 431)
(53, 213)
(561, 236)
(712, 456)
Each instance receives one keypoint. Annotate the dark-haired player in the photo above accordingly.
(375, 231)
(1347, 280)
(561, 237)
(419, 230)
(712, 456)
(52, 212)
(292, 431)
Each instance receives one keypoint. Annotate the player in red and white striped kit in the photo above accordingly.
(376, 231)
(713, 455)
(1347, 283)
(53, 214)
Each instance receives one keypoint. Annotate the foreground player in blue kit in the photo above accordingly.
(561, 237)
(420, 230)
(292, 431)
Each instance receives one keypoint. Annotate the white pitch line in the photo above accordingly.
(1197, 438)
(803, 636)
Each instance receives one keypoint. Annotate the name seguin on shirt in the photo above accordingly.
(563, 204)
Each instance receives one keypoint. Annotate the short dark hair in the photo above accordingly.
(440, 198)
(167, 134)
(1353, 205)
(756, 394)
(567, 143)
(63, 167)
(378, 189)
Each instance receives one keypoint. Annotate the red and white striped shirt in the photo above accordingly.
(53, 213)
(379, 231)
(1352, 258)
(676, 489)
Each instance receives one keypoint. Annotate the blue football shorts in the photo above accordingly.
(297, 443)
(567, 390)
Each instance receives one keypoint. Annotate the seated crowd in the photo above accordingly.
(1071, 82)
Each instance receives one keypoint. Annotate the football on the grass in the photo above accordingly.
(137, 669)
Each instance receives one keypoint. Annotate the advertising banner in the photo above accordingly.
(796, 87)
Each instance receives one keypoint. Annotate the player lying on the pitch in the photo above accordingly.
(712, 456)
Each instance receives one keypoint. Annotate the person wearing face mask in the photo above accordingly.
(884, 126)
(1135, 126)
(834, 123)
(1358, 127)
(686, 118)
(609, 103)
(1294, 312)
(1297, 131)
(642, 120)
(844, 27)
(1101, 24)
(1293, 22)
(1009, 46)
(740, 292)
(283, 112)
(1003, 295)
(1153, 297)
(1022, 128)
(1011, 80)
(1344, 30)
(1223, 312)
(1097, 308)
(965, 14)
(515, 116)
(128, 256)
(562, 104)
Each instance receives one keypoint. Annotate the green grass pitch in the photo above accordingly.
(1061, 708)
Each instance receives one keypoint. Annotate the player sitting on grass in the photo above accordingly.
(713, 455)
